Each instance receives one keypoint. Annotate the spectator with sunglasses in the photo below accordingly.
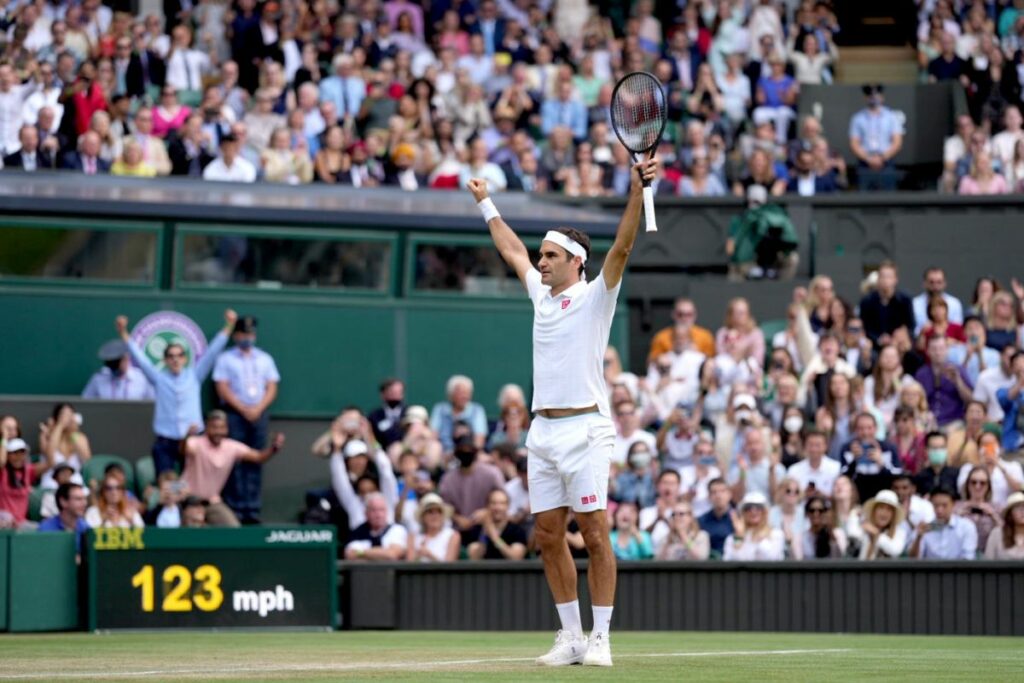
(112, 507)
(178, 389)
(686, 540)
(821, 540)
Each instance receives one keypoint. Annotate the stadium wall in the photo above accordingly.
(903, 596)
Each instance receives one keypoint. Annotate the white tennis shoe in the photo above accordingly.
(567, 650)
(599, 651)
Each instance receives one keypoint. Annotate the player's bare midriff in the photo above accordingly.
(552, 413)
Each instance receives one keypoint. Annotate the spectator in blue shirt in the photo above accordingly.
(565, 110)
(72, 502)
(1011, 400)
(974, 356)
(775, 97)
(178, 401)
(876, 136)
(949, 537)
(636, 484)
(458, 408)
(718, 520)
(346, 89)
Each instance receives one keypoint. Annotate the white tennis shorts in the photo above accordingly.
(569, 462)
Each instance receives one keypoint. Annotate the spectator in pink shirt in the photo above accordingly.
(208, 462)
(983, 179)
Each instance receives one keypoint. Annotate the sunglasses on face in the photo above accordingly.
(979, 482)
(792, 492)
(629, 414)
(175, 355)
(112, 487)
(815, 511)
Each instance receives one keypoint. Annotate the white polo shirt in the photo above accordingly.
(570, 335)
(824, 477)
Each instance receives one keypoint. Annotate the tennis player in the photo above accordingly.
(570, 441)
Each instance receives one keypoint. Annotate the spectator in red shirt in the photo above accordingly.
(16, 479)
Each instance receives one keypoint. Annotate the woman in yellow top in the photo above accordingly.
(130, 163)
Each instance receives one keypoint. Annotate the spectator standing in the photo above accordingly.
(496, 537)
(351, 478)
(949, 537)
(377, 539)
(1006, 476)
(1008, 542)
(876, 137)
(71, 502)
(177, 387)
(386, 419)
(684, 311)
(886, 309)
(775, 97)
(118, 379)
(62, 440)
(246, 379)
(459, 407)
(973, 356)
(755, 470)
(883, 528)
(467, 488)
(436, 540)
(946, 385)
(753, 537)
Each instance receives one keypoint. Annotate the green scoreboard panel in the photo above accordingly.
(212, 578)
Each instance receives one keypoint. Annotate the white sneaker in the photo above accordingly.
(599, 651)
(568, 649)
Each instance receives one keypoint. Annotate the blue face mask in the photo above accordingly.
(708, 460)
(245, 344)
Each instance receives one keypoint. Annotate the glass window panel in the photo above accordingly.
(276, 262)
(474, 270)
(78, 253)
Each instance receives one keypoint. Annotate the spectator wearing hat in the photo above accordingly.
(1008, 543)
(419, 439)
(386, 419)
(718, 521)
(403, 171)
(876, 137)
(71, 501)
(753, 538)
(209, 460)
(177, 388)
(436, 541)
(17, 477)
(468, 487)
(349, 466)
(118, 379)
(246, 379)
(377, 539)
(949, 536)
(230, 166)
(884, 533)
(496, 537)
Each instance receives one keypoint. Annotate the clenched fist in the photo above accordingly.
(478, 187)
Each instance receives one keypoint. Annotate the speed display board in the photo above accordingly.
(212, 578)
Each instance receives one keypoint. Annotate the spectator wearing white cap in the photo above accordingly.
(354, 497)
(884, 534)
(753, 538)
(16, 479)
(437, 541)
(118, 379)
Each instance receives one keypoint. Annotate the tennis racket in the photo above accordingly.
(639, 113)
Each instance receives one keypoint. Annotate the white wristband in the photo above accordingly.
(487, 208)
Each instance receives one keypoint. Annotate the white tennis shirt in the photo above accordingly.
(570, 335)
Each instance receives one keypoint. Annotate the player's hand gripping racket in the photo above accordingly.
(639, 114)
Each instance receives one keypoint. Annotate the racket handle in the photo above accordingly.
(649, 209)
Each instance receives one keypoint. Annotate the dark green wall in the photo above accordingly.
(42, 582)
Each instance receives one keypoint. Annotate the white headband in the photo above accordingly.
(567, 243)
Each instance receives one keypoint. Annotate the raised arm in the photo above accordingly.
(151, 373)
(508, 243)
(346, 494)
(205, 364)
(625, 236)
(260, 457)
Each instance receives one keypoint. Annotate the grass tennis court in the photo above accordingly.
(460, 656)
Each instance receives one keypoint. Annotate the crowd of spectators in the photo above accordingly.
(889, 428)
(414, 94)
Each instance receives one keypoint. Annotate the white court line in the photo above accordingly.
(378, 666)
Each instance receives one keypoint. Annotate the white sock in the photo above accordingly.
(569, 613)
(602, 620)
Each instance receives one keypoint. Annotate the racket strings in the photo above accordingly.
(639, 112)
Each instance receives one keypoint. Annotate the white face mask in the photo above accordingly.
(793, 424)
(640, 459)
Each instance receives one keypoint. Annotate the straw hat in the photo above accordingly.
(885, 497)
(430, 501)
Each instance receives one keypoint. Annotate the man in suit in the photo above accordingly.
(144, 69)
(29, 158)
(87, 159)
(189, 148)
(490, 26)
(805, 181)
(386, 419)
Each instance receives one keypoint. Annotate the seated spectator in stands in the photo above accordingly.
(418, 439)
(755, 469)
(629, 542)
(753, 537)
(760, 171)
(885, 536)
(946, 385)
(629, 432)
(495, 537)
(193, 513)
(685, 539)
(112, 508)
(949, 537)
(976, 504)
(62, 441)
(436, 541)
(209, 460)
(954, 149)
(635, 483)
(1004, 144)
(684, 311)
(61, 474)
(477, 166)
(973, 356)
(656, 519)
(739, 337)
(377, 539)
(1002, 328)
(386, 418)
(886, 309)
(869, 463)
(166, 513)
(915, 508)
(230, 165)
(718, 521)
(876, 137)
(468, 487)
(700, 182)
(1008, 542)
(882, 386)
(805, 180)
(775, 98)
(131, 163)
(513, 425)
(909, 440)
(822, 539)
(1006, 476)
(817, 376)
(29, 158)
(937, 473)
(518, 490)
(678, 436)
(403, 172)
(992, 379)
(815, 473)
(459, 407)
(189, 150)
(787, 515)
(565, 109)
(948, 66)
(118, 379)
(86, 159)
(17, 476)
(72, 501)
(982, 179)
(935, 286)
(283, 164)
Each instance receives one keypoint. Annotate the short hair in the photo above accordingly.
(376, 495)
(890, 264)
(172, 345)
(932, 269)
(502, 492)
(814, 431)
(216, 416)
(902, 475)
(715, 482)
(388, 382)
(867, 415)
(456, 380)
(64, 493)
(944, 491)
(937, 434)
(580, 238)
